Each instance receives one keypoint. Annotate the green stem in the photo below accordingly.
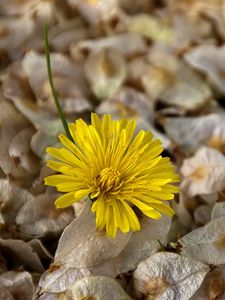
(55, 96)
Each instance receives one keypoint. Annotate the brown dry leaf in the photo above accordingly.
(168, 276)
(204, 173)
(106, 71)
(206, 244)
(16, 285)
(98, 288)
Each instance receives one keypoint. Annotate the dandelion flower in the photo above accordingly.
(117, 169)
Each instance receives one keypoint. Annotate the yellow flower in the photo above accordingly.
(116, 169)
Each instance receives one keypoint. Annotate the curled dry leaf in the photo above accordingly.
(98, 288)
(69, 82)
(21, 254)
(16, 285)
(209, 59)
(14, 33)
(174, 83)
(128, 44)
(202, 214)
(46, 135)
(185, 208)
(63, 35)
(192, 132)
(128, 103)
(106, 71)
(150, 26)
(168, 276)
(206, 244)
(20, 151)
(96, 11)
(204, 173)
(39, 218)
(81, 249)
(12, 198)
(11, 123)
(16, 7)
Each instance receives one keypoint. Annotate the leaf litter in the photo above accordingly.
(158, 62)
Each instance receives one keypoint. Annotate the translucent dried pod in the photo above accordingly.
(168, 276)
(205, 244)
(209, 59)
(174, 83)
(106, 72)
(204, 173)
(20, 151)
(98, 288)
(17, 285)
(68, 81)
(192, 132)
(142, 244)
(39, 218)
(11, 123)
(81, 249)
(128, 44)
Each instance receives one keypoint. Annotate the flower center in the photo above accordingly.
(108, 180)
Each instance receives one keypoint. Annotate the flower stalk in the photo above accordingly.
(54, 93)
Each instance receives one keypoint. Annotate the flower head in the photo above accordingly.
(116, 169)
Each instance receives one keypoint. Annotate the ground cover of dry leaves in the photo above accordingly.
(159, 62)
